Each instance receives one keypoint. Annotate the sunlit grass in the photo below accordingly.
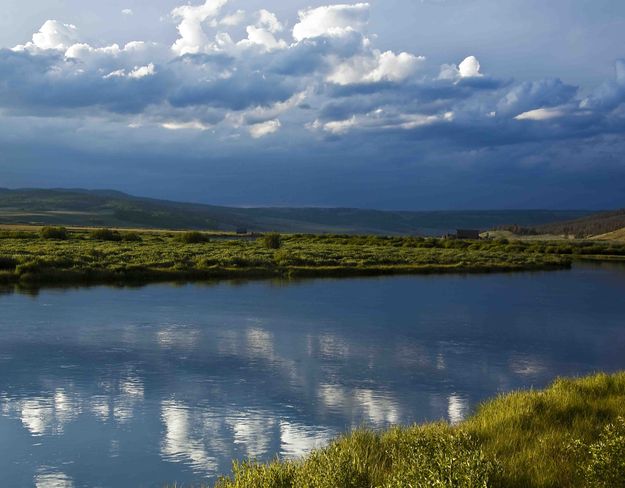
(570, 435)
(70, 256)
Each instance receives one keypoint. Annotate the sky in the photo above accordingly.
(390, 104)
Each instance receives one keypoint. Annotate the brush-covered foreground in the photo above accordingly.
(58, 255)
(570, 435)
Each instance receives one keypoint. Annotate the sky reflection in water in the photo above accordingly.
(138, 387)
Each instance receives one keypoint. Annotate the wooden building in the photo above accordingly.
(467, 234)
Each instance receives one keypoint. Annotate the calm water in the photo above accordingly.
(138, 387)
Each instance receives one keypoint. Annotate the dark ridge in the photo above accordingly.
(111, 208)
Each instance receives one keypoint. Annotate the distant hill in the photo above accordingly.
(617, 235)
(110, 208)
(587, 226)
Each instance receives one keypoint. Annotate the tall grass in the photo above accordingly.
(571, 434)
(434, 455)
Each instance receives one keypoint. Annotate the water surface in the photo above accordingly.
(105, 387)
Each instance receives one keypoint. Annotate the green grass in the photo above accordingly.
(571, 434)
(105, 256)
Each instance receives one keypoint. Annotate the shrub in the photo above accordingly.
(193, 237)
(17, 234)
(604, 466)
(106, 235)
(7, 263)
(273, 240)
(54, 232)
(131, 237)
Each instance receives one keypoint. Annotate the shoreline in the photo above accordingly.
(57, 277)
(61, 257)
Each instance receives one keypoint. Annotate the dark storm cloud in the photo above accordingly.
(329, 107)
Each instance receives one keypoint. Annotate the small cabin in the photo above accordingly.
(467, 234)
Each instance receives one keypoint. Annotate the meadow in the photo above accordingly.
(55, 255)
(571, 434)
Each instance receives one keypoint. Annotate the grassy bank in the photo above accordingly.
(56, 256)
(570, 435)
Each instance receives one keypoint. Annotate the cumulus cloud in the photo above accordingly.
(232, 19)
(127, 11)
(192, 38)
(264, 38)
(469, 67)
(375, 67)
(328, 77)
(331, 20)
(268, 20)
(51, 35)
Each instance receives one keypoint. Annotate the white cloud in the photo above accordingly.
(136, 73)
(263, 129)
(192, 38)
(142, 71)
(193, 125)
(269, 21)
(264, 114)
(469, 68)
(541, 114)
(331, 20)
(82, 50)
(118, 73)
(261, 37)
(127, 11)
(340, 126)
(51, 35)
(233, 19)
(258, 83)
(381, 119)
(413, 121)
(375, 67)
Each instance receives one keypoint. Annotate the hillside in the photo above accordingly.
(100, 208)
(591, 225)
(617, 235)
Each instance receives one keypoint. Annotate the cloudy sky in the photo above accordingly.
(396, 104)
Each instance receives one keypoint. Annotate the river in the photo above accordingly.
(131, 387)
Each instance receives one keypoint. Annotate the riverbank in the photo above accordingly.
(571, 434)
(58, 256)
(54, 257)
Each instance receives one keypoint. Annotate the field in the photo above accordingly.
(569, 435)
(62, 256)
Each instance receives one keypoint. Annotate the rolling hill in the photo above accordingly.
(100, 208)
(591, 225)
